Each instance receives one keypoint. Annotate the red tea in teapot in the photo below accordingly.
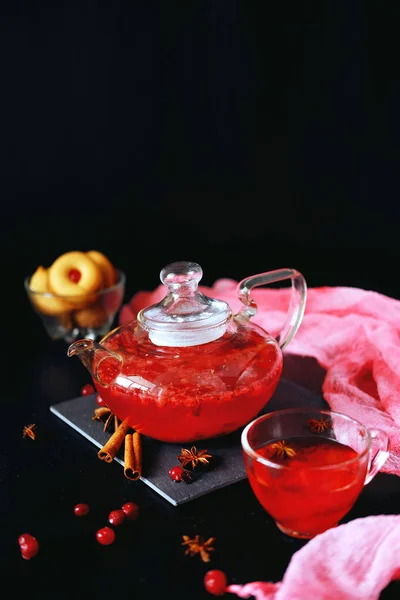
(194, 392)
(187, 368)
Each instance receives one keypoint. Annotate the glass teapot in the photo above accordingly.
(187, 368)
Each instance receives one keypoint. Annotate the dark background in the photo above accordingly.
(246, 136)
(243, 135)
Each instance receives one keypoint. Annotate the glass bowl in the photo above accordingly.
(70, 318)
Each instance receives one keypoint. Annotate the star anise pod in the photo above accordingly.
(282, 450)
(197, 545)
(193, 457)
(319, 425)
(29, 431)
(105, 415)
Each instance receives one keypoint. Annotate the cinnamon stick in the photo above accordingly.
(109, 451)
(133, 456)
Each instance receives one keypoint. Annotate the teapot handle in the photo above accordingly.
(297, 299)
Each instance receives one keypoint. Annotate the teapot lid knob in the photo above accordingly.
(185, 316)
(179, 274)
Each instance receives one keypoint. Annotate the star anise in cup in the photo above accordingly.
(282, 450)
(319, 425)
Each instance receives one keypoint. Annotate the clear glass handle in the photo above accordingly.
(297, 299)
(380, 456)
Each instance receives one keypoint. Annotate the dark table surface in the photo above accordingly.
(42, 480)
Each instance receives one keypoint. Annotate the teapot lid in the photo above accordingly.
(185, 316)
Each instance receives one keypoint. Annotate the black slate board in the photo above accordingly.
(227, 465)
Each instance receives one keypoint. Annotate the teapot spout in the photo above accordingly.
(103, 365)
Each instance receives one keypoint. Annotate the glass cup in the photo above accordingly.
(307, 467)
(70, 318)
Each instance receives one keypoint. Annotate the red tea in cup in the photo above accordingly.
(309, 479)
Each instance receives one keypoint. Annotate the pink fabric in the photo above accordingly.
(352, 561)
(354, 334)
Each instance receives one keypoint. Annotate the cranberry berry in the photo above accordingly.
(81, 510)
(116, 517)
(131, 510)
(215, 582)
(178, 474)
(28, 545)
(100, 401)
(105, 536)
(87, 390)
